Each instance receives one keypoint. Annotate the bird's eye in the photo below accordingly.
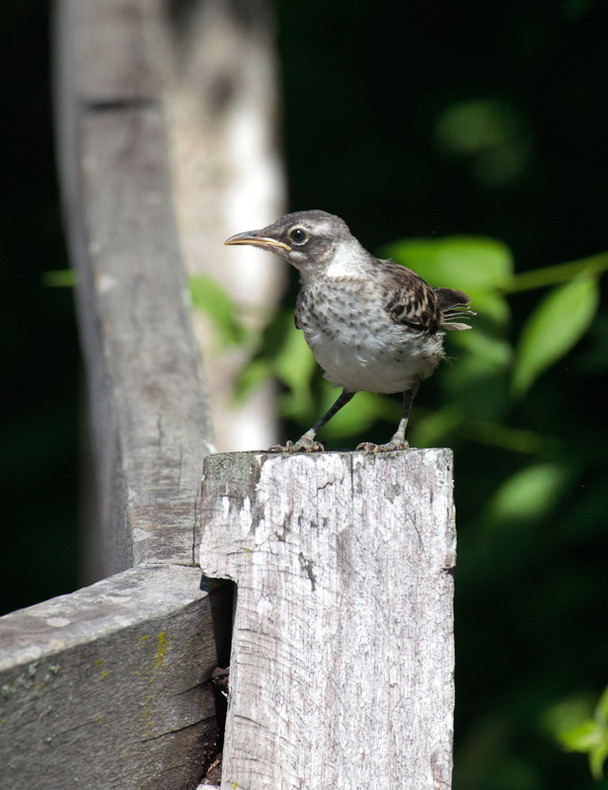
(298, 235)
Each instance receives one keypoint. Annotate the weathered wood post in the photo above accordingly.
(342, 651)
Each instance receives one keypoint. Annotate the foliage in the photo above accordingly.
(556, 325)
(209, 297)
(577, 731)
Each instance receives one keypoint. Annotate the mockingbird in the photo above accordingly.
(371, 324)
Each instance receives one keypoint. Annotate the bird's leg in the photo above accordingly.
(306, 443)
(398, 442)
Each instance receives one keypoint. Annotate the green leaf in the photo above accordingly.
(431, 429)
(514, 440)
(597, 758)
(295, 363)
(360, 414)
(469, 263)
(493, 351)
(476, 125)
(255, 373)
(490, 305)
(61, 278)
(588, 738)
(478, 379)
(558, 273)
(209, 297)
(295, 366)
(560, 320)
(528, 495)
(601, 712)
(570, 724)
(567, 714)
(582, 738)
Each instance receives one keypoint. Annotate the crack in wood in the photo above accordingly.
(120, 104)
(308, 566)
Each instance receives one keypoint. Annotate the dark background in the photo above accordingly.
(39, 351)
(371, 92)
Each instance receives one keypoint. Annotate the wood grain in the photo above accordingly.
(106, 687)
(150, 427)
(342, 654)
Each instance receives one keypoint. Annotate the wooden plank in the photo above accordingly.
(342, 655)
(106, 687)
(114, 46)
(149, 414)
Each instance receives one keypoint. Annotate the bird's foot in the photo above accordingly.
(305, 444)
(394, 444)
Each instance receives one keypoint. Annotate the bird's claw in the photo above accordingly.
(301, 446)
(370, 447)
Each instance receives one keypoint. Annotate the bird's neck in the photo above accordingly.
(350, 260)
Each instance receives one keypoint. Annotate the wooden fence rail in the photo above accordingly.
(105, 688)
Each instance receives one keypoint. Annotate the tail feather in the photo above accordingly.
(453, 305)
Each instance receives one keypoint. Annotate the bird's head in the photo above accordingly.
(306, 239)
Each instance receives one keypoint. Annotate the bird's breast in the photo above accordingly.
(357, 343)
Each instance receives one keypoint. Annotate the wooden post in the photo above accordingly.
(341, 673)
(149, 416)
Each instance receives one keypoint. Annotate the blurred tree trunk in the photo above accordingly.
(222, 106)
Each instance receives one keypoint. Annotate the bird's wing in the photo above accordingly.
(411, 301)
(408, 299)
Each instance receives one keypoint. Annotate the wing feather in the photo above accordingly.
(411, 301)
(408, 299)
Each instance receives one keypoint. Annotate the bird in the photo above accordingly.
(372, 325)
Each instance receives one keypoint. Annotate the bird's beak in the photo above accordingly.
(253, 238)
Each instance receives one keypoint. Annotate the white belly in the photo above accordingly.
(391, 360)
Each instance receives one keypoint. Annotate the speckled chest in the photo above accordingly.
(357, 343)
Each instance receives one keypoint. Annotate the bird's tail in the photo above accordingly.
(453, 305)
